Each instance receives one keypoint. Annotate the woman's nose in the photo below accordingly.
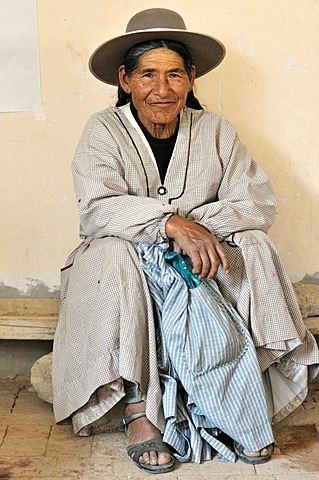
(162, 86)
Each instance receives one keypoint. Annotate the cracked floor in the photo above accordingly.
(32, 447)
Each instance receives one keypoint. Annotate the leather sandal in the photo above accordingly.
(136, 450)
(239, 449)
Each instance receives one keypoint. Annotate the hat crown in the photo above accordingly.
(155, 18)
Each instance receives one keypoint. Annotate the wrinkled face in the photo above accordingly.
(159, 86)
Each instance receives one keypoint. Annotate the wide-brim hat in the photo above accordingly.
(155, 24)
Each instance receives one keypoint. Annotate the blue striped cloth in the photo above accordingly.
(210, 376)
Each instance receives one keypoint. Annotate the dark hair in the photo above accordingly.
(133, 55)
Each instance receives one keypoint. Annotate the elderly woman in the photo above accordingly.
(176, 304)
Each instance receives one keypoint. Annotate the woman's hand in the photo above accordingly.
(199, 244)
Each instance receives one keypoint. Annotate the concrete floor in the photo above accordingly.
(33, 447)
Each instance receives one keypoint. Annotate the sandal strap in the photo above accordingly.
(240, 449)
(130, 418)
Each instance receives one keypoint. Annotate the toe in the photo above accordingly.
(264, 452)
(145, 458)
(153, 458)
(267, 450)
(251, 454)
(164, 458)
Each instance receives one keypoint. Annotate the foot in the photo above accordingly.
(254, 458)
(262, 453)
(141, 430)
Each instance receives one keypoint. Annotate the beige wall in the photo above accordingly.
(267, 87)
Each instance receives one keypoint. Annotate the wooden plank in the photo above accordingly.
(312, 324)
(42, 307)
(36, 319)
(27, 327)
(43, 328)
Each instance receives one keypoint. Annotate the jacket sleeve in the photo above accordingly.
(105, 204)
(245, 199)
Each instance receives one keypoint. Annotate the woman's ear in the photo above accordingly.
(192, 77)
(123, 79)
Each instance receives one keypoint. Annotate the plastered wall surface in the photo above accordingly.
(267, 87)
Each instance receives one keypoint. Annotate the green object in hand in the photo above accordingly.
(178, 262)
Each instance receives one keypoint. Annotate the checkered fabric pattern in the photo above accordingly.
(106, 329)
(207, 349)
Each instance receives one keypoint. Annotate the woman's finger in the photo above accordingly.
(206, 265)
(196, 261)
(214, 265)
(223, 258)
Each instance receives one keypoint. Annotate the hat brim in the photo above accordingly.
(207, 52)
